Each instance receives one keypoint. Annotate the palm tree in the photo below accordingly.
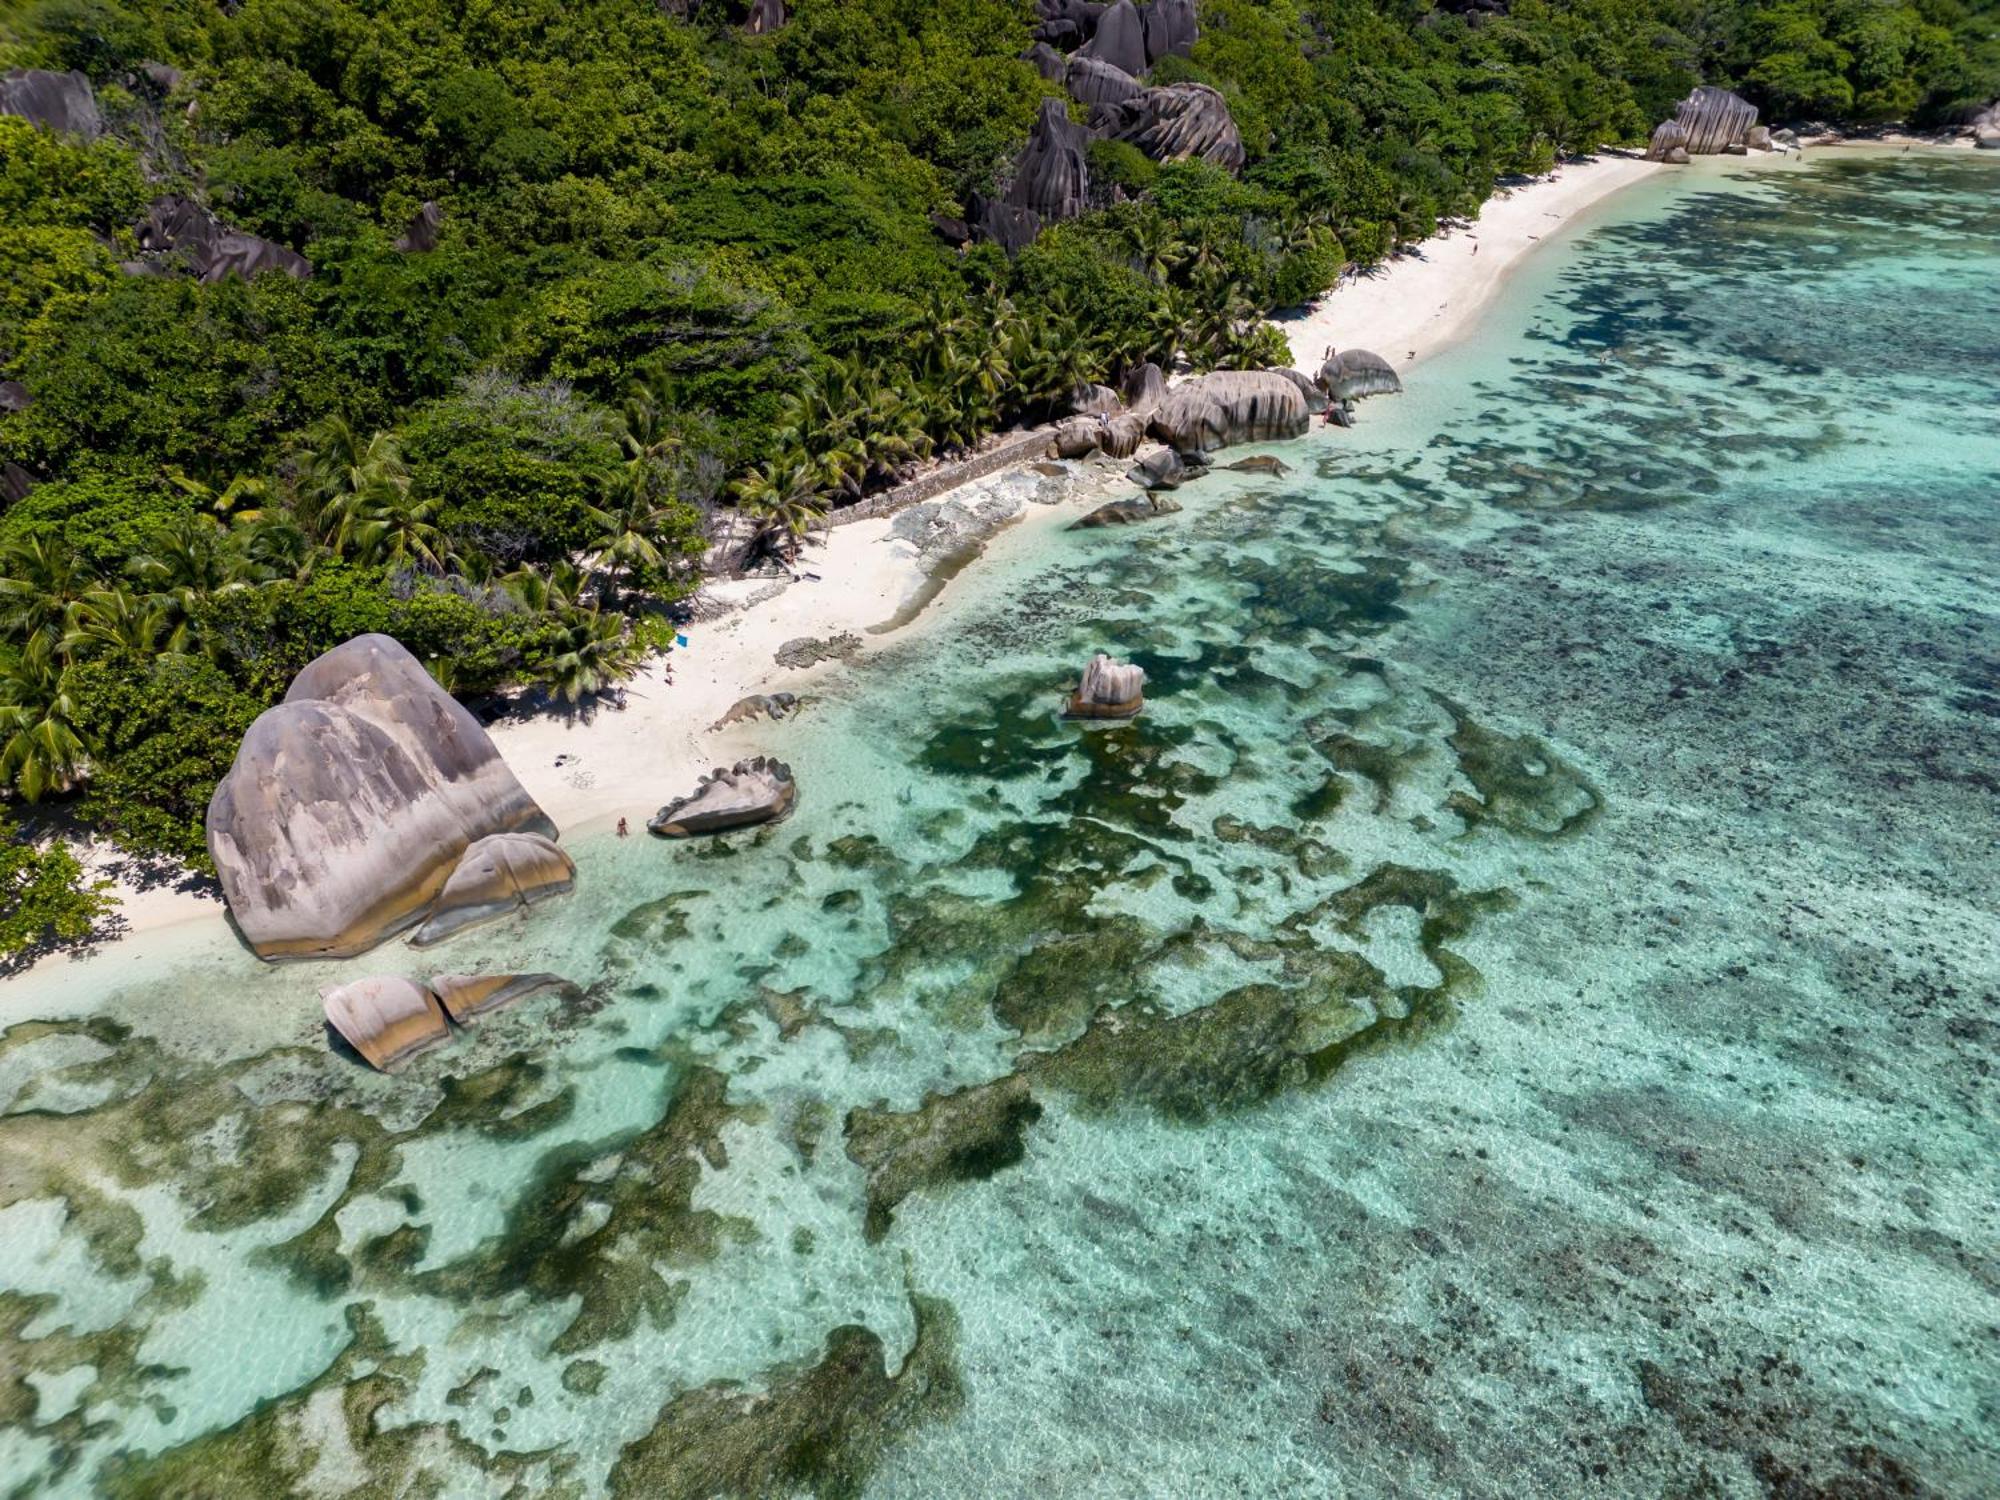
(624, 531)
(389, 528)
(595, 652)
(781, 496)
(238, 502)
(40, 578)
(40, 749)
(346, 475)
(1155, 246)
(189, 561)
(114, 618)
(548, 592)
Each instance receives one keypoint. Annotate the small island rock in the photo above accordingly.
(388, 1020)
(760, 790)
(1109, 690)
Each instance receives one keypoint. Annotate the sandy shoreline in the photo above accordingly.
(588, 772)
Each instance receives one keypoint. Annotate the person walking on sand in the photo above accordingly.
(623, 831)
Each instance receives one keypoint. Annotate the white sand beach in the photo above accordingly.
(587, 772)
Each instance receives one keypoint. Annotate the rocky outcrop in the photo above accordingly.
(747, 793)
(758, 706)
(349, 804)
(14, 396)
(386, 1019)
(1230, 406)
(1091, 80)
(1093, 401)
(1707, 121)
(1145, 387)
(1261, 463)
(1170, 29)
(1165, 469)
(466, 996)
(1985, 128)
(765, 17)
(1350, 374)
(1120, 39)
(1122, 434)
(495, 877)
(1078, 437)
(420, 235)
(1046, 61)
(1179, 122)
(61, 102)
(1109, 690)
(1311, 389)
(1052, 177)
(1126, 512)
(181, 230)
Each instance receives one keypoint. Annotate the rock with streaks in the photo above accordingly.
(1230, 406)
(760, 790)
(466, 996)
(62, 102)
(1120, 39)
(495, 877)
(1109, 690)
(1171, 29)
(387, 1019)
(1091, 80)
(1177, 122)
(350, 803)
(1350, 374)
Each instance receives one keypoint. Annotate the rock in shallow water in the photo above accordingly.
(1127, 512)
(465, 996)
(387, 1019)
(1230, 406)
(350, 803)
(754, 791)
(1109, 690)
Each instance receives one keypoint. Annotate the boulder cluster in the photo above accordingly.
(1713, 121)
(368, 802)
(1101, 55)
(389, 1019)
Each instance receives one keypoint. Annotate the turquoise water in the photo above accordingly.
(1516, 1016)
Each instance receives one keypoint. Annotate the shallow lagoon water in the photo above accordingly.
(1515, 1016)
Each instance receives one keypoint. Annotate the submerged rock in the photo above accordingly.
(1127, 512)
(1230, 406)
(350, 803)
(465, 996)
(1109, 690)
(1261, 463)
(497, 875)
(759, 706)
(388, 1020)
(760, 790)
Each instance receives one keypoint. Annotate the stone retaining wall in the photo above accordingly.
(1017, 449)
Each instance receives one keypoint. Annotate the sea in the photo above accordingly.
(1516, 1015)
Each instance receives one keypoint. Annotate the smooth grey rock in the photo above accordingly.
(421, 233)
(1261, 463)
(1123, 434)
(1230, 406)
(1091, 80)
(1164, 470)
(495, 877)
(14, 396)
(1047, 61)
(182, 228)
(1145, 387)
(754, 791)
(1052, 177)
(62, 102)
(1668, 136)
(1120, 39)
(1314, 393)
(1127, 512)
(386, 1018)
(1078, 438)
(1179, 122)
(765, 17)
(466, 997)
(350, 803)
(1109, 690)
(1350, 374)
(1171, 29)
(1093, 401)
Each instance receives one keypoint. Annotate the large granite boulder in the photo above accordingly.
(1230, 406)
(55, 101)
(1164, 469)
(1170, 29)
(182, 228)
(386, 1019)
(497, 875)
(420, 235)
(1052, 177)
(1308, 387)
(1350, 374)
(350, 803)
(1669, 136)
(1709, 119)
(1145, 387)
(1178, 122)
(1046, 61)
(468, 996)
(1091, 80)
(1109, 690)
(1093, 401)
(765, 16)
(1120, 39)
(14, 396)
(749, 792)
(1123, 434)
(1078, 438)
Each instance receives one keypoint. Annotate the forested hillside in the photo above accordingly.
(669, 264)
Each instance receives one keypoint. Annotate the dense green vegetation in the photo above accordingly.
(680, 267)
